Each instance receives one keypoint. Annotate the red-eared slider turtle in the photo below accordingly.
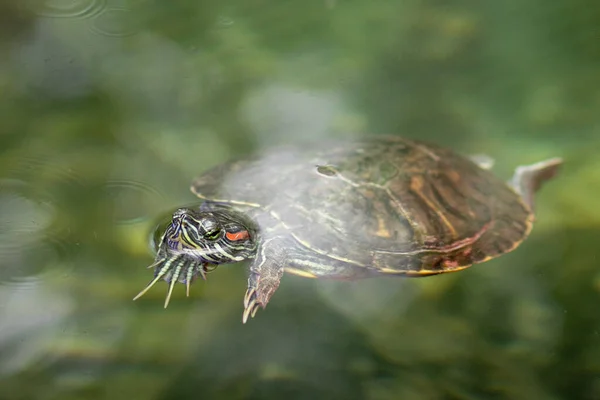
(381, 205)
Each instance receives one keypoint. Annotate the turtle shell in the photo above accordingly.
(385, 203)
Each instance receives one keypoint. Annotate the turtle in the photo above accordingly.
(380, 205)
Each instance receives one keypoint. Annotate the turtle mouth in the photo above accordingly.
(178, 267)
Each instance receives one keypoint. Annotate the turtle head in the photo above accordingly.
(213, 237)
(196, 241)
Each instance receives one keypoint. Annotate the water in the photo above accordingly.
(109, 108)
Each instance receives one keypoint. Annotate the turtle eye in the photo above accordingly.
(212, 235)
(211, 230)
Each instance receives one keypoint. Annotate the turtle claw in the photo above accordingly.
(140, 294)
(171, 286)
(172, 270)
(251, 305)
(202, 273)
(258, 294)
(160, 273)
(250, 311)
(250, 293)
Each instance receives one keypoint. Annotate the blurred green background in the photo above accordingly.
(108, 109)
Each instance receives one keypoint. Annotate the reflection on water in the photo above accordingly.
(109, 108)
(66, 8)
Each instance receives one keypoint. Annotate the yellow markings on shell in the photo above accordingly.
(392, 271)
(382, 230)
(226, 201)
(423, 272)
(308, 246)
(444, 271)
(300, 272)
(416, 185)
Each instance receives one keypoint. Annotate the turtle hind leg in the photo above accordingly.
(482, 160)
(529, 178)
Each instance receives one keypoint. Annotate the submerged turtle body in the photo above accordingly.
(380, 205)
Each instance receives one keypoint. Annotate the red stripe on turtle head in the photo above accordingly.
(235, 236)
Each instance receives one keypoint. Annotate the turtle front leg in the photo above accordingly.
(266, 271)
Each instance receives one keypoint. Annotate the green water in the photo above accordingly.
(108, 109)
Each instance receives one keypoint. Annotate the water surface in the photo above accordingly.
(109, 108)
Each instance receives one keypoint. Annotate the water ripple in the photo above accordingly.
(27, 249)
(66, 8)
(26, 263)
(133, 201)
(31, 169)
(115, 22)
